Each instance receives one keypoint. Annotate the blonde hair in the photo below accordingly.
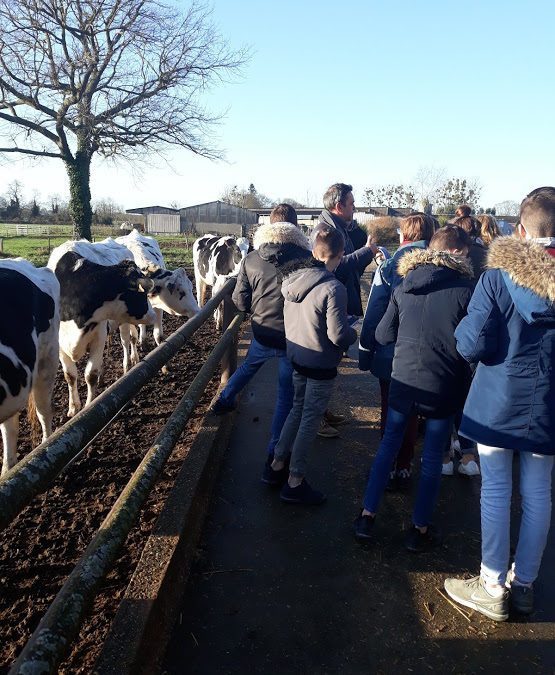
(489, 229)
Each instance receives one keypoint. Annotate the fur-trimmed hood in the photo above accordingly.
(414, 259)
(526, 263)
(280, 233)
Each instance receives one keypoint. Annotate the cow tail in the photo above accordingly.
(36, 432)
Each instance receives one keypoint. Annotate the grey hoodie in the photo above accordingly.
(315, 314)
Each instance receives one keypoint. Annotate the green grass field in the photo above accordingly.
(177, 251)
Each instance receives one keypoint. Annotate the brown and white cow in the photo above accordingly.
(217, 259)
(30, 308)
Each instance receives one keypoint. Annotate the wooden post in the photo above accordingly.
(1, 244)
(229, 360)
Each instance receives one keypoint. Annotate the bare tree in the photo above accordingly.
(113, 77)
(427, 184)
(507, 208)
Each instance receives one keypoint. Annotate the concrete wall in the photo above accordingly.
(219, 228)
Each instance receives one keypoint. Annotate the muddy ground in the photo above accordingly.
(41, 547)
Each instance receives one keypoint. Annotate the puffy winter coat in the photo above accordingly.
(371, 355)
(258, 288)
(316, 325)
(429, 376)
(510, 333)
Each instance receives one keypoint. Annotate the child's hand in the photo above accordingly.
(371, 245)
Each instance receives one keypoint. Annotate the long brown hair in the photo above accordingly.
(489, 229)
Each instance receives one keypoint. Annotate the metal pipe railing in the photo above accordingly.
(61, 623)
(36, 471)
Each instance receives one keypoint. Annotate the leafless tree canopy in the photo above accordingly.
(117, 77)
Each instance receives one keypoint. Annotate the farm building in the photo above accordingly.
(308, 217)
(217, 217)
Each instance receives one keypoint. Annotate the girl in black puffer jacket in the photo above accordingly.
(429, 376)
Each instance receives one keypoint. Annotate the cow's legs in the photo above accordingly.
(125, 337)
(94, 365)
(142, 335)
(201, 290)
(43, 387)
(158, 328)
(70, 374)
(10, 433)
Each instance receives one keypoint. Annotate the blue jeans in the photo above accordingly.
(535, 489)
(300, 429)
(256, 357)
(435, 438)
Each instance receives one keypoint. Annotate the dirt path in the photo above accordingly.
(281, 589)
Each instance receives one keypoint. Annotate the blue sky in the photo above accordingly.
(366, 93)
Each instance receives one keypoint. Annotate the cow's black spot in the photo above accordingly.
(15, 376)
(85, 289)
(24, 307)
(159, 274)
(90, 326)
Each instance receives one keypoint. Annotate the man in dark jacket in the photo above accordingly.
(510, 333)
(258, 291)
(428, 377)
(339, 208)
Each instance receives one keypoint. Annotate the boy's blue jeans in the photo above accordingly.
(435, 438)
(497, 486)
(300, 429)
(256, 357)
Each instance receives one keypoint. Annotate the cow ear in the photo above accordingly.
(145, 285)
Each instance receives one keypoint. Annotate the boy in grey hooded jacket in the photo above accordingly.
(317, 332)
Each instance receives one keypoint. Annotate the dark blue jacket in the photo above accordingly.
(510, 333)
(429, 377)
(371, 355)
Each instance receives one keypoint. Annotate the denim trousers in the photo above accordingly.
(406, 451)
(256, 357)
(300, 429)
(535, 490)
(435, 438)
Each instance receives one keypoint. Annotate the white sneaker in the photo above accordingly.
(469, 469)
(447, 469)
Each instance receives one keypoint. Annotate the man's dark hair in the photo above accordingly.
(336, 194)
(537, 212)
(450, 238)
(469, 224)
(328, 242)
(463, 211)
(283, 213)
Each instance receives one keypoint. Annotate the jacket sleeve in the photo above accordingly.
(375, 309)
(477, 333)
(242, 294)
(339, 331)
(386, 330)
(354, 262)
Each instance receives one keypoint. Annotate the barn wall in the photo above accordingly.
(234, 229)
(162, 223)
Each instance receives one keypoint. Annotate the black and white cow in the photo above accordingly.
(217, 259)
(98, 283)
(172, 291)
(30, 306)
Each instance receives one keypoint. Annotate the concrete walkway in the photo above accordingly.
(285, 589)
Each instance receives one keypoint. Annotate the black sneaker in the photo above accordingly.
(274, 478)
(363, 527)
(416, 542)
(404, 480)
(221, 408)
(302, 494)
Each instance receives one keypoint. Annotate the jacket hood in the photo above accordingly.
(303, 276)
(425, 269)
(529, 272)
(413, 259)
(280, 233)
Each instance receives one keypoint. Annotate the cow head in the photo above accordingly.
(173, 292)
(135, 289)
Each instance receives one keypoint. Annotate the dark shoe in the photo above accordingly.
(302, 494)
(472, 593)
(274, 478)
(363, 527)
(334, 419)
(521, 598)
(404, 480)
(416, 542)
(325, 431)
(391, 485)
(221, 408)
